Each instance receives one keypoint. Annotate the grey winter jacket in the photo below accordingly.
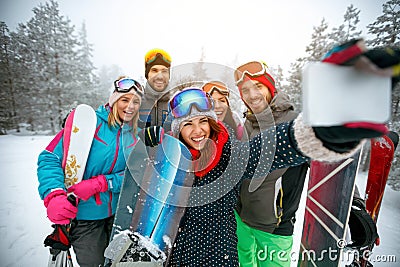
(154, 108)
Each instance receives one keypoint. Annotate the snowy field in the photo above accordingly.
(23, 222)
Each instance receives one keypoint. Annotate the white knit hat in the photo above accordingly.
(116, 95)
(176, 122)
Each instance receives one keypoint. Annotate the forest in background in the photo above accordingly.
(46, 68)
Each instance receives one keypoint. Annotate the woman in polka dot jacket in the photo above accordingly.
(206, 235)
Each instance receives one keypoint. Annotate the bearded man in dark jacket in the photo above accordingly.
(266, 210)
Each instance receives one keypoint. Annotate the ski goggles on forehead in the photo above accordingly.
(152, 55)
(219, 86)
(126, 84)
(253, 69)
(181, 104)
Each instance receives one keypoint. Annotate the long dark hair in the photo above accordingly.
(207, 154)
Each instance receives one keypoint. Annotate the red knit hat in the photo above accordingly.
(256, 71)
(265, 79)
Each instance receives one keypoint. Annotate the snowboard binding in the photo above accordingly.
(133, 247)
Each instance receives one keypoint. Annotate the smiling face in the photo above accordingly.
(195, 131)
(127, 107)
(256, 95)
(221, 104)
(158, 77)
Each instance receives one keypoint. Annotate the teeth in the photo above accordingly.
(198, 139)
(128, 112)
(218, 112)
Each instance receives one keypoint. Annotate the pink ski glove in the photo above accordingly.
(90, 187)
(59, 209)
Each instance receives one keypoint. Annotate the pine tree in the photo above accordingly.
(293, 86)
(319, 42)
(45, 46)
(199, 71)
(107, 75)
(8, 112)
(386, 32)
(348, 30)
(53, 68)
(316, 49)
(87, 80)
(386, 28)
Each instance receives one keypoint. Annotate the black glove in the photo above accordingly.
(65, 118)
(152, 135)
(342, 139)
(59, 238)
(362, 227)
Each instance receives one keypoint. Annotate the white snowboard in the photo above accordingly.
(79, 130)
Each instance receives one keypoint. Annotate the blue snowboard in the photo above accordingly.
(152, 201)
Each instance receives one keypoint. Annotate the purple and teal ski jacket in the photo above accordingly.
(107, 157)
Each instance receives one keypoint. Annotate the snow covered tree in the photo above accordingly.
(348, 30)
(316, 49)
(107, 75)
(277, 73)
(198, 68)
(49, 69)
(46, 51)
(293, 86)
(386, 32)
(8, 112)
(92, 94)
(386, 28)
(319, 42)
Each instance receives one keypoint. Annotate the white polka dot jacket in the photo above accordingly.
(207, 231)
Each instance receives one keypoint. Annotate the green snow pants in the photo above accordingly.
(259, 249)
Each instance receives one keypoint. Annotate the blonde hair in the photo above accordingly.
(114, 120)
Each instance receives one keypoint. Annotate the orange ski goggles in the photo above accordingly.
(216, 85)
(253, 69)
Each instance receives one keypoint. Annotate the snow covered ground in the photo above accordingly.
(23, 222)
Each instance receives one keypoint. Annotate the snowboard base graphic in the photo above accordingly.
(152, 201)
(329, 196)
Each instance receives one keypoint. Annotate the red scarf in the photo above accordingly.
(222, 138)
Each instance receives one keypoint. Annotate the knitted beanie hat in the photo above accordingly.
(116, 95)
(126, 83)
(265, 78)
(176, 122)
(156, 57)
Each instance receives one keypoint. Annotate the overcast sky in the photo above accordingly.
(230, 32)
